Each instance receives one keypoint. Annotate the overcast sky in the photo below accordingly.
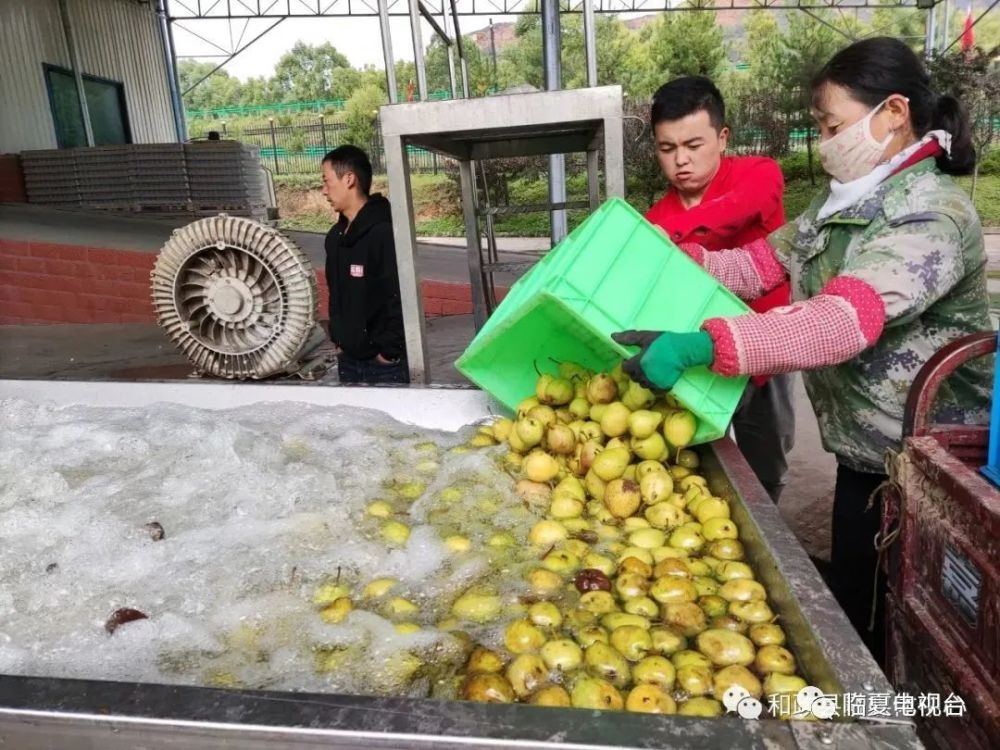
(357, 38)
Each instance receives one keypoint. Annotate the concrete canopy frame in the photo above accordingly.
(551, 122)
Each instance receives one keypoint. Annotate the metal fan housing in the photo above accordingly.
(238, 298)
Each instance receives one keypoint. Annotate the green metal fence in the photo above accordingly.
(319, 105)
(298, 149)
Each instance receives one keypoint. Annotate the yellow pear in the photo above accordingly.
(694, 680)
(647, 539)
(523, 637)
(602, 389)
(487, 687)
(679, 428)
(664, 515)
(730, 570)
(655, 670)
(686, 618)
(501, 429)
(711, 507)
(738, 676)
(563, 655)
(614, 420)
(483, 660)
(655, 486)
(650, 699)
(539, 466)
(650, 467)
(477, 606)
(547, 533)
(774, 659)
(536, 494)
(529, 431)
(610, 463)
(652, 448)
(726, 549)
(557, 392)
(588, 453)
(637, 397)
(591, 430)
(525, 406)
(517, 446)
(687, 539)
(742, 590)
(667, 641)
(767, 634)
(546, 415)
(596, 487)
(643, 423)
(644, 606)
(596, 693)
(719, 528)
(603, 660)
(580, 408)
(726, 648)
(560, 440)
(688, 459)
(776, 683)
(565, 506)
(622, 498)
(526, 674)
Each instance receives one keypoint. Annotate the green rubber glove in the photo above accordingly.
(664, 356)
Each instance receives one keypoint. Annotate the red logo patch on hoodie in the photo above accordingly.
(357, 271)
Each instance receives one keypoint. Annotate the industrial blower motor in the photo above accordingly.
(239, 299)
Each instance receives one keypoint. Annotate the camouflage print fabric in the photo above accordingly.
(918, 242)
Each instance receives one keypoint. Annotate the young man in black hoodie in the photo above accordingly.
(366, 317)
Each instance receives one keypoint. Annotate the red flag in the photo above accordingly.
(968, 36)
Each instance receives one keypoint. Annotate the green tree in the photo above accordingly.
(218, 90)
(308, 73)
(763, 48)
(686, 43)
(907, 24)
(479, 65)
(361, 114)
(783, 63)
(619, 58)
(406, 73)
(257, 91)
(522, 62)
(973, 78)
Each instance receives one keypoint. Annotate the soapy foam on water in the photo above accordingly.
(260, 505)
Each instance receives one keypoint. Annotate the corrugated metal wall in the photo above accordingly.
(117, 39)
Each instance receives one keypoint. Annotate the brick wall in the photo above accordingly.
(42, 282)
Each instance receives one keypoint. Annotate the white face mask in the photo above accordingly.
(853, 152)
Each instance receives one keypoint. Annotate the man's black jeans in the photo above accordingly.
(370, 371)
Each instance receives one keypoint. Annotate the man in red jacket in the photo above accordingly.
(720, 202)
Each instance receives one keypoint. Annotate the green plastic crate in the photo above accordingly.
(616, 271)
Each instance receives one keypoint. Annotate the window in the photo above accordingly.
(105, 101)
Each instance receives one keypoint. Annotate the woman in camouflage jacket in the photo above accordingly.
(886, 267)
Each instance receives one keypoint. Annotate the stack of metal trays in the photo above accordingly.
(50, 177)
(102, 175)
(158, 178)
(226, 176)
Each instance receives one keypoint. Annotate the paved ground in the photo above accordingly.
(140, 352)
